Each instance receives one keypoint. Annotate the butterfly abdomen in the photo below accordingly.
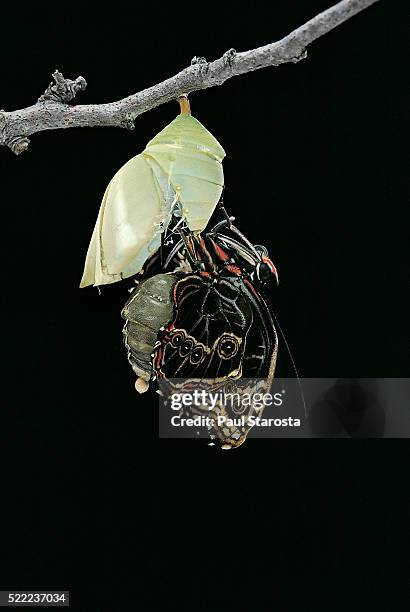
(148, 309)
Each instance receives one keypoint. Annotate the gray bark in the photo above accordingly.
(52, 111)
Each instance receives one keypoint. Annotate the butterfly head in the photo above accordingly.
(266, 271)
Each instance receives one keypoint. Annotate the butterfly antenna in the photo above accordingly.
(282, 333)
(161, 250)
(172, 254)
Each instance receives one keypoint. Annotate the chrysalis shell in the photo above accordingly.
(180, 171)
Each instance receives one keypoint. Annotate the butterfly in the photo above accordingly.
(215, 329)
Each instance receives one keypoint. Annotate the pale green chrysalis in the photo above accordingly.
(180, 171)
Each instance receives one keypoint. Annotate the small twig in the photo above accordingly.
(63, 90)
(52, 112)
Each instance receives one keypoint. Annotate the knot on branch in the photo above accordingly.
(18, 144)
(198, 60)
(201, 64)
(229, 57)
(128, 122)
(63, 90)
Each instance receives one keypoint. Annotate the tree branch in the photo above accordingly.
(53, 112)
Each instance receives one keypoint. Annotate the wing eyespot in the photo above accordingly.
(177, 339)
(228, 347)
(186, 347)
(197, 355)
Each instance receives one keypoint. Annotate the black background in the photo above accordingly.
(315, 171)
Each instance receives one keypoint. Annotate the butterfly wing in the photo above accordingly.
(222, 333)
